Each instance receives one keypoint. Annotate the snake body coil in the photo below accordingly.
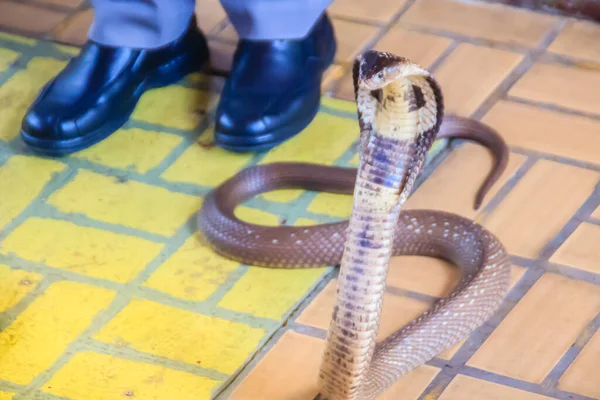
(400, 111)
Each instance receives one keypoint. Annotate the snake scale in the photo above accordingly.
(400, 113)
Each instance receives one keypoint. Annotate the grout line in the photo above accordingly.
(8, 317)
(57, 180)
(48, 211)
(236, 379)
(10, 387)
(48, 6)
(569, 357)
(551, 57)
(422, 297)
(361, 21)
(492, 43)
(335, 85)
(307, 330)
(552, 107)
(458, 362)
(132, 354)
(559, 159)
(40, 395)
(572, 272)
(441, 59)
(520, 384)
(584, 211)
(510, 184)
(529, 59)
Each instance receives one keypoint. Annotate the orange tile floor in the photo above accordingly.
(535, 78)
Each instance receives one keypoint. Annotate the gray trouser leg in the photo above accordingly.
(139, 23)
(273, 19)
(153, 23)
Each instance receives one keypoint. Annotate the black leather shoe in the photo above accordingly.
(274, 89)
(99, 89)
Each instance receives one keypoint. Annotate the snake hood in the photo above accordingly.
(398, 101)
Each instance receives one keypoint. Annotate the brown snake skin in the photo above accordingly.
(400, 111)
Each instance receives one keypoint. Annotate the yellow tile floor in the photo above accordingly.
(107, 292)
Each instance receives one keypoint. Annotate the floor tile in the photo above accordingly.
(173, 106)
(130, 203)
(534, 211)
(82, 250)
(132, 149)
(229, 33)
(326, 139)
(193, 273)
(580, 250)
(221, 55)
(7, 58)
(397, 312)
(430, 276)
(540, 329)
(75, 29)
(94, 376)
(471, 73)
(18, 16)
(20, 90)
(568, 87)
(453, 185)
(345, 89)
(546, 131)
(14, 285)
(27, 348)
(578, 39)
(18, 39)
(381, 11)
(209, 13)
(205, 164)
(270, 293)
(465, 387)
(182, 335)
(335, 205)
(582, 376)
(351, 38)
(418, 47)
(289, 371)
(24, 178)
(61, 3)
(481, 20)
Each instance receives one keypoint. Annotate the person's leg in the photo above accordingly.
(274, 19)
(133, 46)
(141, 24)
(274, 88)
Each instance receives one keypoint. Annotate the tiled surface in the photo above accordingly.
(140, 307)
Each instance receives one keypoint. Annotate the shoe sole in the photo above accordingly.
(166, 75)
(283, 134)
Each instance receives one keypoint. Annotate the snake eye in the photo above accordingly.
(380, 75)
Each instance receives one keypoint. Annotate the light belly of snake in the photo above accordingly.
(399, 121)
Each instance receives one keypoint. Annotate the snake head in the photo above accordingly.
(375, 69)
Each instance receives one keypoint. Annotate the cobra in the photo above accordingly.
(400, 113)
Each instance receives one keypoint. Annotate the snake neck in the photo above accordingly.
(382, 175)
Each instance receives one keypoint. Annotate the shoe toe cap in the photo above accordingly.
(40, 126)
